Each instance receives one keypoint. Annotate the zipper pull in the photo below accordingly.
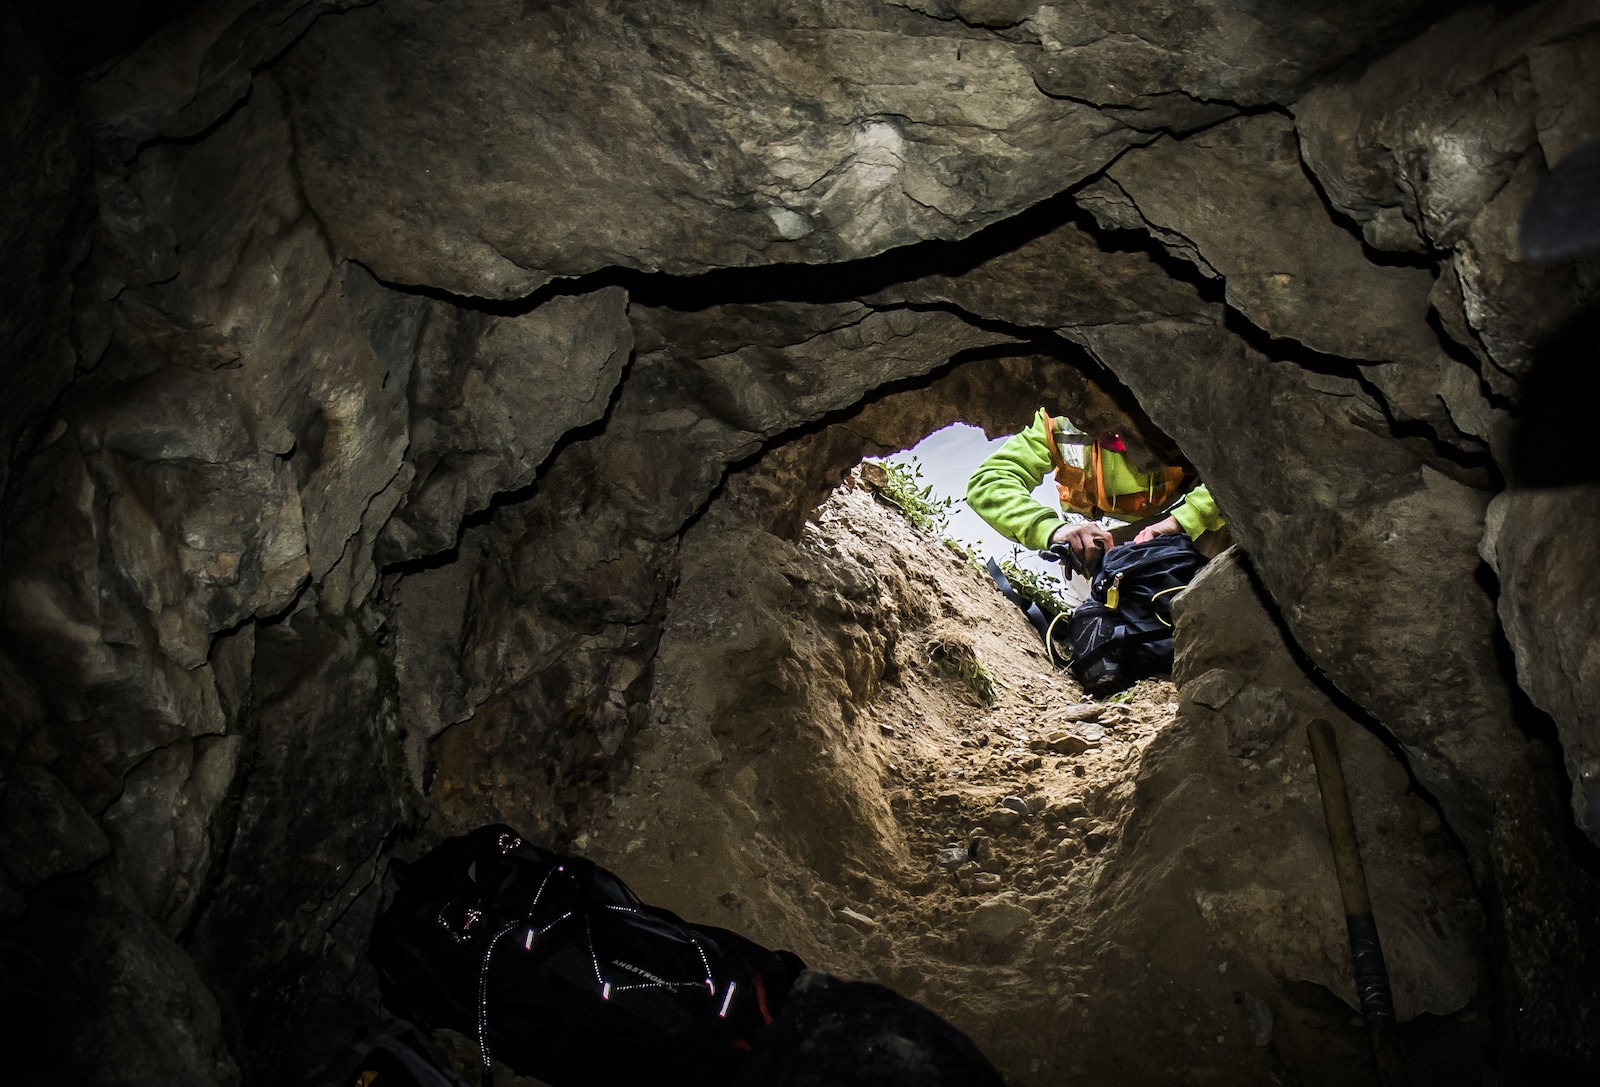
(1114, 593)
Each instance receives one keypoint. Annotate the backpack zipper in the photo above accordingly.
(1114, 594)
(487, 1080)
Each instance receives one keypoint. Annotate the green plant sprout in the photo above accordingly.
(1044, 590)
(913, 498)
(958, 660)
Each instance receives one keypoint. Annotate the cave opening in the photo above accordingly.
(422, 416)
(818, 757)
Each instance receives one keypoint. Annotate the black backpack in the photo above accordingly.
(356, 1050)
(835, 1033)
(1123, 633)
(557, 969)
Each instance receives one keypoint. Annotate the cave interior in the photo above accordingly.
(422, 415)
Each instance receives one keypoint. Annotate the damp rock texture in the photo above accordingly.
(388, 384)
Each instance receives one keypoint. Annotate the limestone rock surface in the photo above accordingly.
(489, 397)
(1356, 585)
(1423, 146)
(157, 1020)
(380, 377)
(46, 194)
(1238, 198)
(736, 134)
(312, 807)
(1064, 276)
(180, 79)
(47, 832)
(1163, 58)
(1428, 917)
(161, 824)
(1542, 546)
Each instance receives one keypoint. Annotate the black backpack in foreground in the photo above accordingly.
(355, 1050)
(1123, 633)
(835, 1033)
(559, 971)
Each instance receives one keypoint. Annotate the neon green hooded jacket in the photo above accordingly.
(1001, 491)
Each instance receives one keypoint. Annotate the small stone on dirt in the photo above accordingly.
(858, 921)
(1001, 818)
(874, 476)
(953, 858)
(985, 881)
(998, 918)
(1016, 804)
(1067, 743)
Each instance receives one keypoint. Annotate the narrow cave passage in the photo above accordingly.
(427, 415)
(1134, 871)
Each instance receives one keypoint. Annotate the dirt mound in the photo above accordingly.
(859, 751)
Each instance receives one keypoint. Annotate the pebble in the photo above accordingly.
(1066, 743)
(999, 917)
(1016, 804)
(953, 858)
(1001, 818)
(985, 881)
(858, 921)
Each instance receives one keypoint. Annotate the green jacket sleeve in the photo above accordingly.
(1198, 513)
(1001, 490)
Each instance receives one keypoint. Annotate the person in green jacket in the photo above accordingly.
(1095, 479)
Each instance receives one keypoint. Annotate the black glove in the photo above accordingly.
(1088, 566)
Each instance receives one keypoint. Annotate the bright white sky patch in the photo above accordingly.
(948, 457)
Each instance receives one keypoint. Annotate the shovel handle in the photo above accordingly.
(1372, 976)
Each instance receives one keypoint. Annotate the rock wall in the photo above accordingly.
(369, 363)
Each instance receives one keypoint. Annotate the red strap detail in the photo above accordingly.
(740, 1043)
(761, 1000)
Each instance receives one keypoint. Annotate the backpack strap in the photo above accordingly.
(1141, 638)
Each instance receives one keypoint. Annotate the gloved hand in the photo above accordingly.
(1081, 546)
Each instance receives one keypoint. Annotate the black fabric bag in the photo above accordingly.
(856, 1034)
(562, 973)
(358, 1051)
(1123, 633)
